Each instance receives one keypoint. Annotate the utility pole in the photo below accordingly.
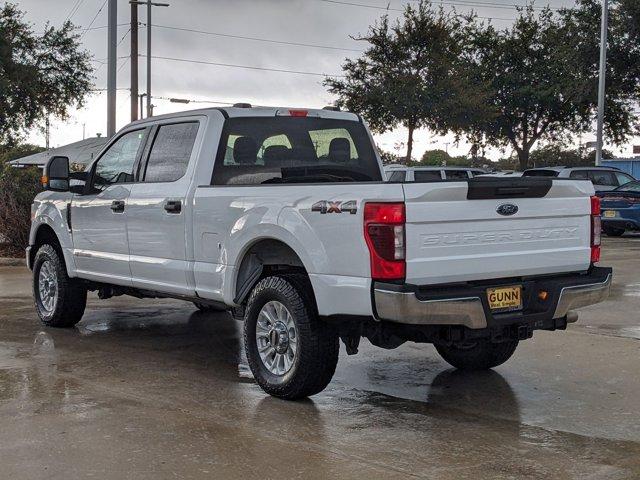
(149, 5)
(134, 62)
(142, 105)
(47, 132)
(601, 79)
(112, 46)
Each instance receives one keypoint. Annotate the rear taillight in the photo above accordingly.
(596, 229)
(384, 234)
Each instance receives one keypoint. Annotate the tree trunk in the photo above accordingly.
(523, 157)
(407, 159)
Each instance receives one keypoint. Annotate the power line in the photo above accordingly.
(391, 9)
(258, 39)
(93, 20)
(247, 67)
(101, 27)
(74, 10)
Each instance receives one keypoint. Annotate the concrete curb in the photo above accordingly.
(12, 262)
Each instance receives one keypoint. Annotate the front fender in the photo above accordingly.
(50, 208)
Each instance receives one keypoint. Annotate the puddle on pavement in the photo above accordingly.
(615, 330)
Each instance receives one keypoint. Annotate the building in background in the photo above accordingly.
(628, 165)
(79, 153)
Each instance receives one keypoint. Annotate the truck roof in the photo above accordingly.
(237, 111)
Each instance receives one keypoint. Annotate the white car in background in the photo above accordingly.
(401, 173)
(603, 179)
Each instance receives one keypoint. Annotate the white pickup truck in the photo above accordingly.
(282, 216)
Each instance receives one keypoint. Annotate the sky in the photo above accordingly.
(321, 23)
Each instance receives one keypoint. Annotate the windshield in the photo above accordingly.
(629, 187)
(263, 150)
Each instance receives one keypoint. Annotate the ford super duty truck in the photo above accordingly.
(282, 217)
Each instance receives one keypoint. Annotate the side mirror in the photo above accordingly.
(56, 174)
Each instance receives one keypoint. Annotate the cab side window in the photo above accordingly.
(170, 153)
(116, 164)
(397, 176)
(579, 175)
(605, 178)
(623, 178)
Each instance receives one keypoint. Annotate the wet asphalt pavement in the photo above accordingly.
(153, 389)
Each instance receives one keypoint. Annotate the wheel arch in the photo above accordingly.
(261, 258)
(43, 234)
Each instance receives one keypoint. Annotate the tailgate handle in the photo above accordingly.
(511, 190)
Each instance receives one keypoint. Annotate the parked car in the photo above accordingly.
(603, 178)
(282, 216)
(507, 173)
(400, 173)
(621, 209)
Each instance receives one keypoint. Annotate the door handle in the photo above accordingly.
(117, 206)
(173, 206)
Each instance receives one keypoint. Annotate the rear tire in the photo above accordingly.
(478, 355)
(60, 300)
(291, 352)
(613, 231)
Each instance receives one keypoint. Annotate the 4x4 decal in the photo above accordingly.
(327, 206)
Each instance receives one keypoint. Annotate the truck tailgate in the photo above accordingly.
(454, 232)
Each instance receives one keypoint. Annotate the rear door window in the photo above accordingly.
(603, 178)
(579, 175)
(623, 178)
(267, 150)
(427, 175)
(170, 152)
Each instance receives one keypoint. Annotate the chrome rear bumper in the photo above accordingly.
(404, 307)
(581, 296)
(469, 310)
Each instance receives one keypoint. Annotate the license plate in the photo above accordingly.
(505, 298)
(609, 213)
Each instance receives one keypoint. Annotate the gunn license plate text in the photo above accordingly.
(505, 298)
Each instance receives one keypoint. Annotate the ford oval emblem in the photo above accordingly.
(507, 209)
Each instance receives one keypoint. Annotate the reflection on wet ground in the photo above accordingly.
(154, 389)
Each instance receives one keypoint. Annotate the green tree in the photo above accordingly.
(435, 157)
(8, 153)
(40, 75)
(18, 187)
(542, 78)
(410, 75)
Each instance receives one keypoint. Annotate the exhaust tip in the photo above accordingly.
(572, 316)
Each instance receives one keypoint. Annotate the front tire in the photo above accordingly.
(60, 301)
(478, 355)
(291, 352)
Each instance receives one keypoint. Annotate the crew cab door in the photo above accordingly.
(98, 217)
(158, 211)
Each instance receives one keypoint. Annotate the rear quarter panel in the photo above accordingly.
(228, 220)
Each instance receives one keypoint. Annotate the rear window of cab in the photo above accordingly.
(265, 150)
